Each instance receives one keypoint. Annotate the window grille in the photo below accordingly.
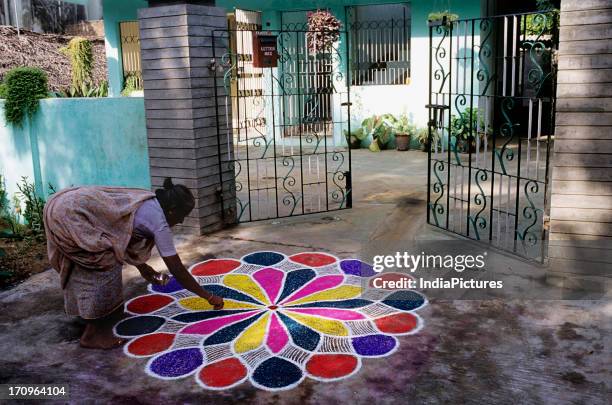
(380, 39)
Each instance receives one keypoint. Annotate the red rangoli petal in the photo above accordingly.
(150, 344)
(313, 259)
(331, 366)
(215, 267)
(148, 303)
(223, 373)
(397, 323)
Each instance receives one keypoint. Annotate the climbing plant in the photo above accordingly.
(80, 52)
(24, 86)
(545, 20)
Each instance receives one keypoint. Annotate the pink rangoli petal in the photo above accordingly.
(211, 325)
(277, 336)
(271, 280)
(340, 314)
(316, 285)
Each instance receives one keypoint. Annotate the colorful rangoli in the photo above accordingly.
(285, 318)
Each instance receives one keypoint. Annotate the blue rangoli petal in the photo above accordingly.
(348, 304)
(302, 336)
(172, 286)
(277, 373)
(189, 317)
(264, 258)
(405, 300)
(177, 363)
(230, 293)
(139, 325)
(295, 280)
(373, 345)
(357, 268)
(229, 333)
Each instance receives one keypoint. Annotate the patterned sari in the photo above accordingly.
(89, 238)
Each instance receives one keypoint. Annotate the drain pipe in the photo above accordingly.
(16, 16)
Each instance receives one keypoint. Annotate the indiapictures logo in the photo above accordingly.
(285, 319)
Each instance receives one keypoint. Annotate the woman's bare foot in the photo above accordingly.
(98, 333)
(100, 337)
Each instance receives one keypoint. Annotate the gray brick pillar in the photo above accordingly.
(179, 93)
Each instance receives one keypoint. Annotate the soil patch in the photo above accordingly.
(21, 259)
(43, 51)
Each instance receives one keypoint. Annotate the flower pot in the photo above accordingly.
(355, 143)
(402, 141)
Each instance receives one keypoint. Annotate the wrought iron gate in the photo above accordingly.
(491, 112)
(285, 141)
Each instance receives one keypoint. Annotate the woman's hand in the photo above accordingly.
(215, 301)
(152, 276)
(178, 270)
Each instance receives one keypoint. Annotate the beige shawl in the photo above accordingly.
(92, 227)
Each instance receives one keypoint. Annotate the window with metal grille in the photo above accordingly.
(380, 44)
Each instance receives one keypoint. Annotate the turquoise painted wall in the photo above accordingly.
(116, 11)
(78, 141)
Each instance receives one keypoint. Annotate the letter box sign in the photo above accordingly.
(265, 54)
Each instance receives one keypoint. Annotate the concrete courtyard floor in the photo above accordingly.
(502, 351)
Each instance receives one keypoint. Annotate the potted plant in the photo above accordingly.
(442, 18)
(378, 129)
(460, 129)
(403, 130)
(355, 138)
(323, 31)
(423, 138)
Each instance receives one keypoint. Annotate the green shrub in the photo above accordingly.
(132, 84)
(3, 196)
(80, 52)
(9, 218)
(34, 205)
(3, 90)
(24, 87)
(86, 90)
(441, 15)
(460, 125)
(378, 127)
(355, 138)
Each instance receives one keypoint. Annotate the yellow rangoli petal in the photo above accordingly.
(200, 304)
(253, 336)
(343, 292)
(323, 325)
(245, 284)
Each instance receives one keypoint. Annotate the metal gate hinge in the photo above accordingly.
(212, 65)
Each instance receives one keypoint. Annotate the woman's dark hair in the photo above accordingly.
(175, 197)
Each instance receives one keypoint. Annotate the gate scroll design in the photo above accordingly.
(284, 135)
(491, 121)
